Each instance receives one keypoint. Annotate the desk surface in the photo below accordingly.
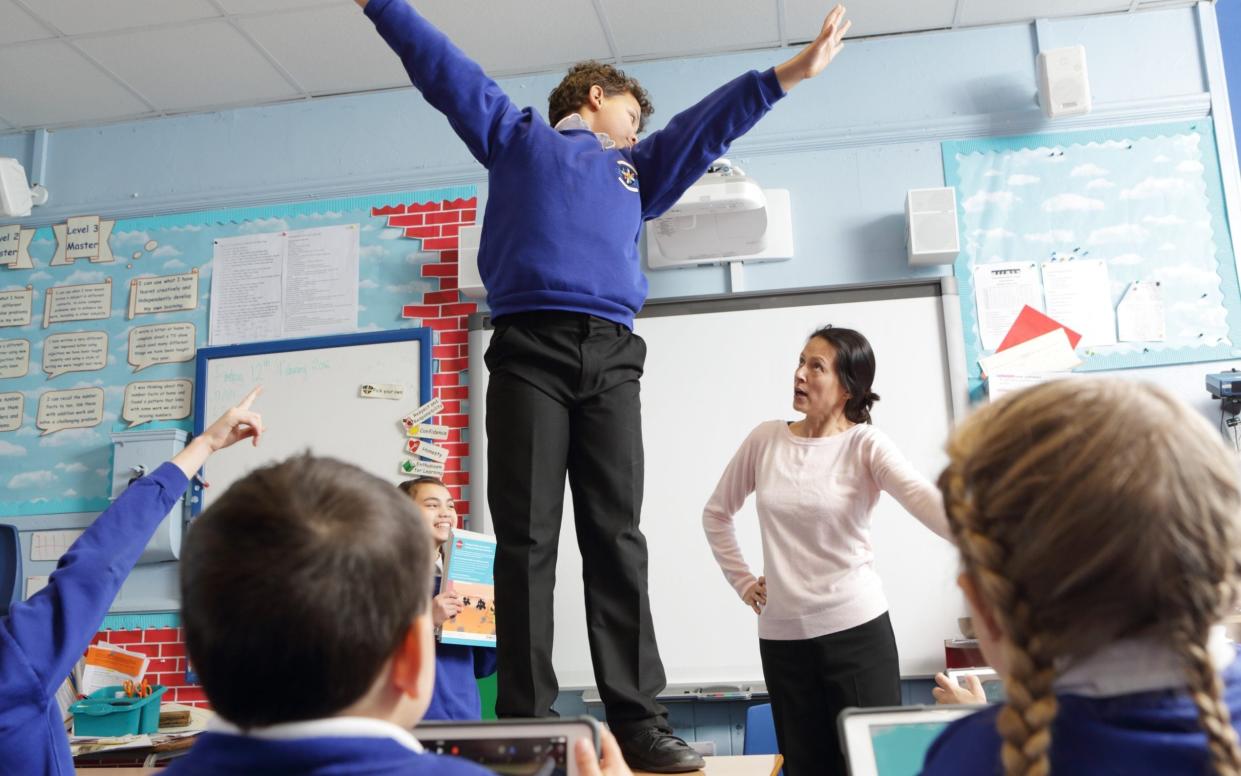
(752, 765)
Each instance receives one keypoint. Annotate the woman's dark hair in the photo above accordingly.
(855, 369)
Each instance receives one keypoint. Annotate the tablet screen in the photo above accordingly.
(900, 749)
(509, 756)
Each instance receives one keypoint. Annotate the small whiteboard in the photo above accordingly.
(311, 400)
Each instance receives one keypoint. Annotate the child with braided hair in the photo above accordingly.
(1099, 525)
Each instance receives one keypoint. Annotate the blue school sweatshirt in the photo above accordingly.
(44, 636)
(1154, 733)
(214, 754)
(457, 671)
(564, 215)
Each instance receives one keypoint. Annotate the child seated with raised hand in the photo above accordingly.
(306, 592)
(1099, 525)
(457, 667)
(43, 637)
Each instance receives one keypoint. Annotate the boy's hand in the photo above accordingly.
(816, 56)
(949, 692)
(612, 764)
(756, 596)
(445, 606)
(237, 424)
(361, 3)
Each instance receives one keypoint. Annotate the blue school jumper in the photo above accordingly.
(1154, 733)
(457, 671)
(563, 215)
(214, 754)
(43, 637)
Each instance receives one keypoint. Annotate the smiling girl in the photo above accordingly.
(457, 667)
(825, 638)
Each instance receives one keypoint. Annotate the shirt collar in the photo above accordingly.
(575, 121)
(328, 727)
(1137, 665)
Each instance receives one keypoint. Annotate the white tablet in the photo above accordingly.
(525, 747)
(893, 740)
(992, 684)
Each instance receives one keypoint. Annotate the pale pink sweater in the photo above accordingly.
(814, 501)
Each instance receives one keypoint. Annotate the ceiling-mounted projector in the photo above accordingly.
(723, 189)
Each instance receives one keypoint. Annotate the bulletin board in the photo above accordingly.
(101, 320)
(1144, 203)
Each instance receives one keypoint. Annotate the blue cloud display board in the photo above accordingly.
(1146, 200)
(100, 321)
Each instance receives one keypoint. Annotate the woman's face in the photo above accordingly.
(816, 390)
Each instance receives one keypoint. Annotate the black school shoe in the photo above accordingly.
(658, 751)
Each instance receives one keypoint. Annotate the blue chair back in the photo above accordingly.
(760, 731)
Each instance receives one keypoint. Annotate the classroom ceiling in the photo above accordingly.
(82, 62)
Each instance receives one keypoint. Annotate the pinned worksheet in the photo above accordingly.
(1079, 295)
(1001, 291)
(1140, 315)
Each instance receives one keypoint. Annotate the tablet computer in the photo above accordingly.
(524, 747)
(992, 684)
(893, 740)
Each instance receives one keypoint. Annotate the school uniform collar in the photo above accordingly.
(328, 727)
(575, 121)
(1137, 665)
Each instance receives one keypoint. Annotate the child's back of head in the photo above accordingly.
(1088, 512)
(298, 584)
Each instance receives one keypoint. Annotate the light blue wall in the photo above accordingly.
(847, 145)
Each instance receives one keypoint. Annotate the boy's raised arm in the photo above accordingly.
(670, 160)
(477, 108)
(45, 635)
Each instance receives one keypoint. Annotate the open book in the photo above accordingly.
(468, 560)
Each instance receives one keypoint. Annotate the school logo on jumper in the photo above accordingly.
(627, 175)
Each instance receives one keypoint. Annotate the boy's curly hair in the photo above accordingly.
(574, 89)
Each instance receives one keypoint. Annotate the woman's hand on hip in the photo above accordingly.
(755, 596)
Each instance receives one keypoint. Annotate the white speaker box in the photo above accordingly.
(1063, 85)
(931, 226)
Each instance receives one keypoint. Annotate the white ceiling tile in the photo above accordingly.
(687, 27)
(804, 18)
(1000, 11)
(192, 66)
(260, 6)
(69, 88)
(77, 17)
(510, 37)
(328, 50)
(17, 25)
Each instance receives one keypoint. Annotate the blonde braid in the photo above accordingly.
(1207, 691)
(1030, 707)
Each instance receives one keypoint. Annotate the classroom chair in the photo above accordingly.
(760, 731)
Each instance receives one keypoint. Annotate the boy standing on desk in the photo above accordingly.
(43, 637)
(559, 258)
(457, 667)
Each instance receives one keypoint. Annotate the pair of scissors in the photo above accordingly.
(141, 690)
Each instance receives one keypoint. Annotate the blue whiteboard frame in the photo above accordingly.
(206, 355)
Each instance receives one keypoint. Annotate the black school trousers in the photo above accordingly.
(811, 681)
(563, 400)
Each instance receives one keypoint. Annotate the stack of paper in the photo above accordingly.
(1035, 349)
(108, 665)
